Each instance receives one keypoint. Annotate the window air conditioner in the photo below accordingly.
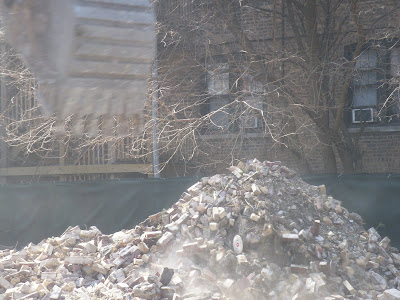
(361, 115)
(249, 122)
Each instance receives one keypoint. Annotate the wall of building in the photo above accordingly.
(270, 34)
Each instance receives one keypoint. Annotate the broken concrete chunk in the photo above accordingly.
(213, 226)
(256, 190)
(165, 239)
(236, 171)
(384, 243)
(143, 247)
(390, 294)
(349, 288)
(228, 283)
(55, 293)
(241, 259)
(5, 283)
(255, 217)
(89, 247)
(145, 291)
(99, 268)
(79, 260)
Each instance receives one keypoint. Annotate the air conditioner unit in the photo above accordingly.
(250, 122)
(361, 115)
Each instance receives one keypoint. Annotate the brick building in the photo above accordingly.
(311, 83)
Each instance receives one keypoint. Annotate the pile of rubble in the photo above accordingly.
(258, 233)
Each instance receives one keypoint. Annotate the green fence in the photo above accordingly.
(29, 213)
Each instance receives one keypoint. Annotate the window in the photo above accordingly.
(218, 90)
(374, 97)
(221, 116)
(253, 103)
(395, 62)
(395, 73)
(218, 80)
(365, 80)
(233, 107)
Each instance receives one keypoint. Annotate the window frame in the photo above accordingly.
(237, 91)
(383, 76)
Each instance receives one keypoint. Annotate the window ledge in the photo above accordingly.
(217, 136)
(392, 128)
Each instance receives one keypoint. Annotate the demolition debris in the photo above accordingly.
(258, 233)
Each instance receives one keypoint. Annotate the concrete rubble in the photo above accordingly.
(259, 232)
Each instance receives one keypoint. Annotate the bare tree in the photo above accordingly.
(271, 78)
(305, 55)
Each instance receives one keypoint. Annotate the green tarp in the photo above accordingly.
(30, 213)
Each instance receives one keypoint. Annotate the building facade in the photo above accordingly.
(314, 84)
(311, 83)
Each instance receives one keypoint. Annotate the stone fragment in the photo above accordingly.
(256, 190)
(255, 217)
(145, 290)
(195, 189)
(290, 237)
(165, 239)
(322, 189)
(79, 260)
(236, 171)
(373, 235)
(166, 276)
(99, 268)
(120, 237)
(241, 259)
(377, 278)
(384, 243)
(143, 247)
(349, 288)
(228, 283)
(390, 294)
(48, 249)
(213, 226)
(55, 292)
(177, 281)
(327, 221)
(5, 283)
(117, 275)
(356, 217)
(214, 180)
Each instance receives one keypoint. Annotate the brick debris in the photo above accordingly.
(259, 232)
